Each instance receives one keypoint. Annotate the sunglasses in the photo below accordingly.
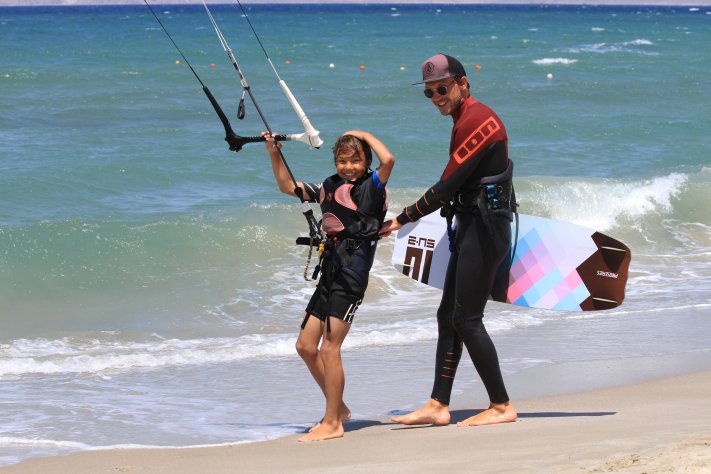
(441, 90)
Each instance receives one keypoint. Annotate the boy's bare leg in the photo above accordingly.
(431, 413)
(307, 347)
(496, 413)
(331, 426)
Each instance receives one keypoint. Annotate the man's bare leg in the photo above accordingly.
(307, 347)
(331, 425)
(431, 413)
(496, 413)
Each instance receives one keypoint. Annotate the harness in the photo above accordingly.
(493, 196)
(343, 229)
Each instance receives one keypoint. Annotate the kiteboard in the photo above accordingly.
(554, 264)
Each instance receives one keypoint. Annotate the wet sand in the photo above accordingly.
(662, 425)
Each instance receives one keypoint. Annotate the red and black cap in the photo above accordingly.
(441, 66)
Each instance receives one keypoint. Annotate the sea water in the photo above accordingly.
(150, 288)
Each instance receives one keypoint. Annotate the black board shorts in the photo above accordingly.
(337, 298)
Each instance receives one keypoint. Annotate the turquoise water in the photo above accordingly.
(150, 291)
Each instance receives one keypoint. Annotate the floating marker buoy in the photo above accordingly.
(549, 76)
(287, 62)
(212, 64)
(402, 68)
(177, 61)
(331, 65)
(477, 67)
(362, 68)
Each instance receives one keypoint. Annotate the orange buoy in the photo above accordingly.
(362, 68)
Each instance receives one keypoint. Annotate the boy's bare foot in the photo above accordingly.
(431, 413)
(322, 432)
(345, 415)
(496, 413)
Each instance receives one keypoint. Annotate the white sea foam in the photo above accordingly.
(637, 46)
(664, 309)
(108, 356)
(549, 61)
(66, 355)
(602, 205)
(638, 42)
(45, 443)
(9, 441)
(41, 356)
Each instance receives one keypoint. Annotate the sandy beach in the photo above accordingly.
(660, 425)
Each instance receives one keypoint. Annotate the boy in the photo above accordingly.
(353, 206)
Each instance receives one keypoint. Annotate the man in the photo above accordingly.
(476, 188)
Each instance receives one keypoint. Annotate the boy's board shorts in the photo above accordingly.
(338, 298)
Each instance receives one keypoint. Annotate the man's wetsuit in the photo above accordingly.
(478, 148)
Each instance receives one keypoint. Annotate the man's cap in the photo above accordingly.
(441, 66)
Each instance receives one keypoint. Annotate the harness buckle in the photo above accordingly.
(492, 192)
(351, 244)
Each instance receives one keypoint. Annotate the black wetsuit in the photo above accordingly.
(478, 148)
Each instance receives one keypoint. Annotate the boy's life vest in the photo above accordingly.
(352, 214)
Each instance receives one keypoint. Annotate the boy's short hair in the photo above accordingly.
(351, 142)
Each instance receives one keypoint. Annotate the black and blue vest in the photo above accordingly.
(352, 214)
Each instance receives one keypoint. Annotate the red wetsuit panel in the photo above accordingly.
(476, 128)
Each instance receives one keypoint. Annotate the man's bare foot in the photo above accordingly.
(496, 413)
(323, 431)
(345, 415)
(431, 413)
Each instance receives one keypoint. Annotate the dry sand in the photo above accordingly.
(663, 425)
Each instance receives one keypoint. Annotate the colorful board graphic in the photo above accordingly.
(556, 265)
